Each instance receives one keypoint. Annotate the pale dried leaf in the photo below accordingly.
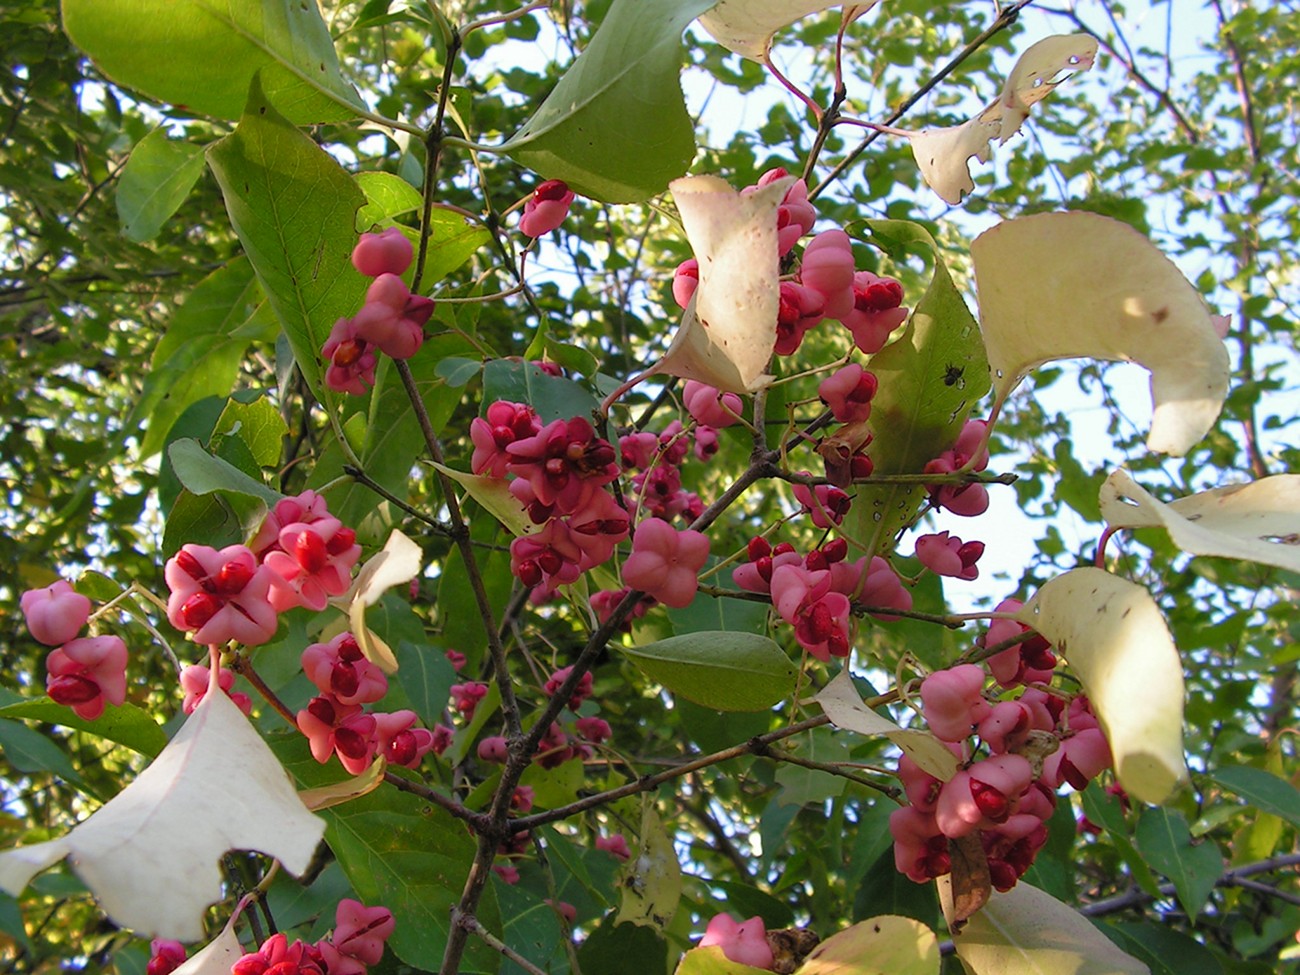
(884, 945)
(397, 564)
(746, 26)
(150, 855)
(217, 956)
(1080, 285)
(1257, 522)
(338, 793)
(1028, 931)
(843, 705)
(1111, 633)
(728, 331)
(943, 155)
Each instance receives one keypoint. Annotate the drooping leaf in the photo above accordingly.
(1263, 790)
(846, 709)
(294, 209)
(337, 793)
(215, 787)
(1259, 521)
(929, 379)
(155, 181)
(652, 879)
(944, 155)
(1026, 930)
(1111, 633)
(1166, 844)
(724, 669)
(214, 48)
(1165, 950)
(616, 127)
(728, 330)
(127, 725)
(1079, 285)
(885, 945)
(201, 473)
(745, 27)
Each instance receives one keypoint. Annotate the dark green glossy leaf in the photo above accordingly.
(1263, 790)
(616, 128)
(201, 473)
(1166, 844)
(1163, 949)
(28, 750)
(728, 671)
(426, 675)
(127, 725)
(522, 382)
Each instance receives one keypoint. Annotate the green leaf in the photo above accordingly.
(885, 945)
(1165, 950)
(453, 239)
(921, 407)
(652, 879)
(1166, 843)
(607, 949)
(201, 473)
(387, 196)
(402, 852)
(522, 382)
(209, 519)
(127, 725)
(426, 675)
(202, 55)
(801, 786)
(727, 671)
(1262, 789)
(28, 750)
(154, 183)
(719, 614)
(11, 921)
(1105, 810)
(616, 127)
(712, 961)
(200, 353)
(294, 209)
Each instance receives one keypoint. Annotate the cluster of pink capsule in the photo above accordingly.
(392, 319)
(356, 943)
(1014, 755)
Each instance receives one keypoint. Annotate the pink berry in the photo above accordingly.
(388, 252)
(56, 613)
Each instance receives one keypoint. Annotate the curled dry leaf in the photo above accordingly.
(970, 883)
(351, 788)
(1111, 633)
(1026, 930)
(1079, 285)
(944, 155)
(1258, 522)
(398, 563)
(883, 945)
(728, 330)
(843, 705)
(150, 855)
(745, 27)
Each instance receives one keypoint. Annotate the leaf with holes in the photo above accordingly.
(1258, 522)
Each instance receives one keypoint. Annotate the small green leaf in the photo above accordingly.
(1263, 790)
(202, 55)
(522, 382)
(256, 424)
(457, 371)
(294, 209)
(202, 473)
(918, 412)
(493, 493)
(724, 670)
(1105, 810)
(155, 182)
(127, 725)
(1166, 843)
(387, 196)
(616, 127)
